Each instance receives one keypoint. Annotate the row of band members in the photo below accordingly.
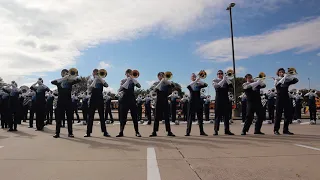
(162, 87)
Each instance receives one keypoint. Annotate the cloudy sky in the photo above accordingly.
(39, 38)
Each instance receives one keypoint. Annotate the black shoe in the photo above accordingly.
(203, 134)
(188, 134)
(171, 134)
(259, 132)
(148, 123)
(56, 136)
(215, 133)
(243, 133)
(106, 134)
(288, 133)
(71, 135)
(276, 133)
(120, 135)
(154, 134)
(15, 130)
(10, 130)
(138, 134)
(87, 135)
(228, 133)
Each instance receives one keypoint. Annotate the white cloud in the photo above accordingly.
(103, 65)
(298, 36)
(45, 36)
(239, 70)
(318, 54)
(110, 89)
(150, 83)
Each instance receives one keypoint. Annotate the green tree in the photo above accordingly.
(81, 86)
(1, 82)
(239, 88)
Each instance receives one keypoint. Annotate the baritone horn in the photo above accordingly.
(202, 74)
(230, 73)
(102, 73)
(292, 71)
(168, 75)
(135, 73)
(73, 72)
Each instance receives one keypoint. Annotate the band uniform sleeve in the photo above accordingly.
(215, 83)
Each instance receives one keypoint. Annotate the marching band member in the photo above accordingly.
(119, 96)
(40, 103)
(139, 107)
(64, 102)
(222, 85)
(312, 105)
(4, 109)
(162, 88)
(297, 111)
(252, 90)
(147, 105)
(282, 83)
(49, 107)
(243, 98)
(128, 102)
(230, 103)
(264, 107)
(173, 105)
(293, 103)
(14, 92)
(107, 111)
(196, 103)
(207, 102)
(96, 102)
(84, 106)
(185, 103)
(75, 102)
(33, 108)
(271, 103)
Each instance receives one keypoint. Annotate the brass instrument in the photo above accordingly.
(273, 90)
(24, 89)
(203, 91)
(73, 72)
(261, 76)
(139, 96)
(168, 75)
(175, 93)
(135, 73)
(153, 94)
(292, 71)
(230, 73)
(102, 73)
(202, 74)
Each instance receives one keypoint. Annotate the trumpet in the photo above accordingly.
(202, 74)
(203, 91)
(73, 72)
(102, 73)
(135, 73)
(261, 76)
(168, 75)
(292, 71)
(230, 73)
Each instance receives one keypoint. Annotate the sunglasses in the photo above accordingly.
(219, 73)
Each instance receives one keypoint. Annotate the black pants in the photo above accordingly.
(207, 112)
(13, 119)
(195, 107)
(85, 113)
(75, 111)
(221, 111)
(185, 111)
(25, 112)
(49, 114)
(108, 112)
(148, 113)
(251, 109)
(243, 111)
(31, 117)
(125, 106)
(271, 112)
(62, 109)
(283, 105)
(173, 108)
(297, 114)
(40, 116)
(94, 105)
(4, 117)
(162, 112)
(139, 112)
(313, 113)
(264, 113)
(293, 109)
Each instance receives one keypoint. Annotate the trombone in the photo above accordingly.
(102, 73)
(292, 71)
(168, 75)
(73, 72)
(135, 73)
(230, 73)
(202, 74)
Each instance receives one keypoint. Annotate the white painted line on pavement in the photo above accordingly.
(309, 147)
(152, 165)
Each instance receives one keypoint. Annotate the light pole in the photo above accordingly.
(229, 8)
(309, 83)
